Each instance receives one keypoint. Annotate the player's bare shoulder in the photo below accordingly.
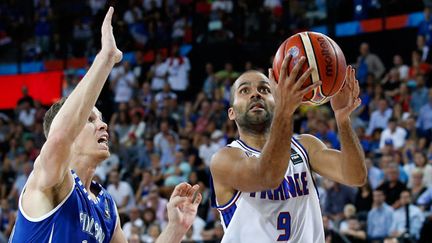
(225, 158)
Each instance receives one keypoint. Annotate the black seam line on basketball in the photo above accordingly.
(307, 59)
(336, 69)
(316, 59)
(280, 68)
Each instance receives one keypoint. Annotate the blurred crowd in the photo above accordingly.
(161, 134)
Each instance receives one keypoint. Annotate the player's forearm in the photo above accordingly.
(353, 164)
(77, 108)
(172, 234)
(275, 155)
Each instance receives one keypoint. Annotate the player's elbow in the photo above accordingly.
(271, 181)
(360, 179)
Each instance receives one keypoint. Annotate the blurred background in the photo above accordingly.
(166, 102)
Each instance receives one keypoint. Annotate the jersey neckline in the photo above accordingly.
(93, 184)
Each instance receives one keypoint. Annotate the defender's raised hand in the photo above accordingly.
(347, 100)
(288, 92)
(109, 46)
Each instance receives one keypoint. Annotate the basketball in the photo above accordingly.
(323, 54)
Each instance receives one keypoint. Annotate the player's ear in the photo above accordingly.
(231, 114)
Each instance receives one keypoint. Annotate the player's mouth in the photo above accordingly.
(257, 107)
(103, 141)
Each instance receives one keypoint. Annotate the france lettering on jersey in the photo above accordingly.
(78, 218)
(290, 213)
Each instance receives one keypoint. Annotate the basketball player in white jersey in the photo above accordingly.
(263, 182)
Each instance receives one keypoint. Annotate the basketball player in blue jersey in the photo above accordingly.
(263, 184)
(60, 202)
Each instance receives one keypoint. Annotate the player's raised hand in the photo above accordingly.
(109, 46)
(347, 100)
(183, 205)
(288, 92)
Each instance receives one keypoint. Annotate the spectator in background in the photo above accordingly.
(380, 218)
(26, 114)
(425, 27)
(379, 118)
(407, 220)
(363, 200)
(394, 134)
(392, 186)
(135, 220)
(368, 62)
(145, 97)
(417, 186)
(402, 68)
(424, 122)
(20, 182)
(349, 211)
(178, 172)
(178, 68)
(207, 149)
(163, 95)
(156, 203)
(210, 83)
(163, 143)
(123, 82)
(324, 133)
(423, 48)
(121, 192)
(420, 162)
(338, 196)
(158, 74)
(375, 175)
(420, 93)
(417, 65)
(354, 232)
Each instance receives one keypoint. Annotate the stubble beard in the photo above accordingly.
(254, 123)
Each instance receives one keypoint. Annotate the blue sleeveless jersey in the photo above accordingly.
(78, 219)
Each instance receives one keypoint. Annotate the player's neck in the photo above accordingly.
(256, 141)
(85, 168)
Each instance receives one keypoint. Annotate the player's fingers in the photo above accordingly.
(177, 201)
(296, 69)
(356, 89)
(284, 68)
(191, 191)
(108, 16)
(303, 78)
(271, 78)
(198, 199)
(310, 88)
(180, 189)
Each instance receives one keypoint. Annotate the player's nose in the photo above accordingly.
(102, 126)
(255, 94)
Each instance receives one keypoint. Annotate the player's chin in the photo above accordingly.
(103, 154)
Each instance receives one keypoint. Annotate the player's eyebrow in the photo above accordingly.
(243, 84)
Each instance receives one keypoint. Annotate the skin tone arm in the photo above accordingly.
(182, 208)
(346, 166)
(52, 164)
(232, 168)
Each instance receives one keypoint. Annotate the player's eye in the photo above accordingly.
(265, 90)
(244, 91)
(91, 119)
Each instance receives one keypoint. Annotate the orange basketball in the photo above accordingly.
(323, 54)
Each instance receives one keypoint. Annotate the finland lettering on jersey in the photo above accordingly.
(78, 218)
(290, 213)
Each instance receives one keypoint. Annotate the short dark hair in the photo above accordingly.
(50, 114)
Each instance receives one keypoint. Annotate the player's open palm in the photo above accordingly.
(183, 205)
(288, 92)
(108, 41)
(347, 100)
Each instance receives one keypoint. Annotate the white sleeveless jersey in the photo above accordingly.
(291, 213)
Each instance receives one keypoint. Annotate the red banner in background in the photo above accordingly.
(45, 87)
